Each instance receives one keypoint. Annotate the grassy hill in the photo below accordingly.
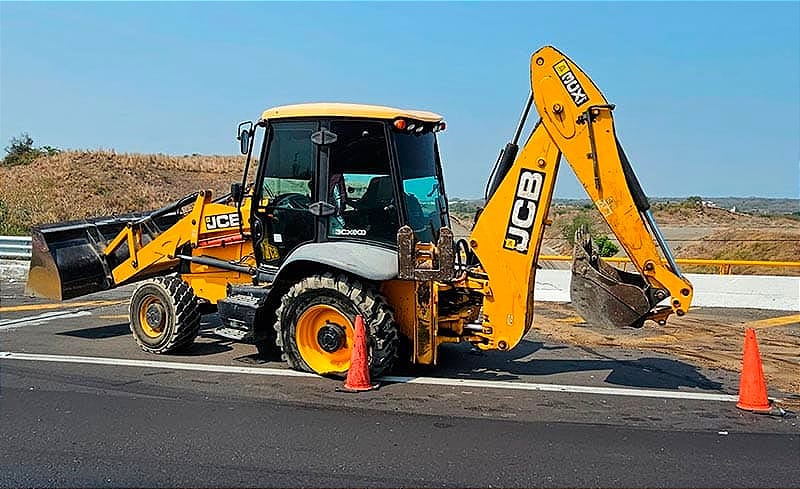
(77, 184)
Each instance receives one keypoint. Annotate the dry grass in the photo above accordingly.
(78, 184)
(748, 244)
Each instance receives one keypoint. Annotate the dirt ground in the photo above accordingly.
(708, 337)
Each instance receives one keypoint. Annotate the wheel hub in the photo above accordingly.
(331, 337)
(154, 314)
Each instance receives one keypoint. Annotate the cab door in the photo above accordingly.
(284, 191)
(361, 188)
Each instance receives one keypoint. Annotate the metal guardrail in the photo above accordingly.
(17, 247)
(724, 266)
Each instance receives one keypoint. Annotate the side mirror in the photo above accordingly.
(244, 142)
(236, 192)
(245, 130)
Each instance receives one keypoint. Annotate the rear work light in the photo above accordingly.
(413, 126)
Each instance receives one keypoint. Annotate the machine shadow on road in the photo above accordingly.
(210, 343)
(100, 332)
(648, 372)
(529, 360)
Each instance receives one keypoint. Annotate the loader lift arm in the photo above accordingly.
(163, 252)
(576, 121)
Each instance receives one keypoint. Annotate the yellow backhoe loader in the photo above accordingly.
(347, 215)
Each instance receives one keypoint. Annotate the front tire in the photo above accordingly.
(315, 325)
(164, 314)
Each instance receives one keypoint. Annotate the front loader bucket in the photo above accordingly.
(603, 295)
(67, 258)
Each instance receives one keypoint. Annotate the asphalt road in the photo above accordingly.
(105, 425)
(99, 427)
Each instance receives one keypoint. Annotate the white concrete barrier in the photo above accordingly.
(749, 291)
(757, 291)
(14, 270)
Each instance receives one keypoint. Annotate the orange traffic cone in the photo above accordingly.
(358, 374)
(752, 387)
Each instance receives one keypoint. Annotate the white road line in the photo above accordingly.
(576, 389)
(40, 318)
(123, 362)
(491, 384)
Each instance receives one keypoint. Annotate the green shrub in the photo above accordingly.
(605, 246)
(21, 151)
(693, 201)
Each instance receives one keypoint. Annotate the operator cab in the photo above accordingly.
(345, 172)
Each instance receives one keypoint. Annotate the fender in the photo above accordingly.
(365, 260)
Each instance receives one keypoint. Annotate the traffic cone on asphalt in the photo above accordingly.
(752, 387)
(358, 374)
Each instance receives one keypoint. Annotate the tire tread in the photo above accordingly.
(382, 331)
(182, 305)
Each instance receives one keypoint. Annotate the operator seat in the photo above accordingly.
(379, 193)
(376, 211)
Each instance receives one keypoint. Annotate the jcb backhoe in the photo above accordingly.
(347, 215)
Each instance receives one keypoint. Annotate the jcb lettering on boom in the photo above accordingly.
(523, 212)
(571, 83)
(222, 221)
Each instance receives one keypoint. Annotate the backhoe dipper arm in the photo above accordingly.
(576, 121)
(580, 121)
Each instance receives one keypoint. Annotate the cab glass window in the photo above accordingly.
(423, 195)
(360, 183)
(290, 162)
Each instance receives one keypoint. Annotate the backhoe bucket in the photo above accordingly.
(603, 295)
(67, 258)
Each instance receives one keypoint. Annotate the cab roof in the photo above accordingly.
(328, 109)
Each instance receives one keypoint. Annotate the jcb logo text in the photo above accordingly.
(523, 211)
(222, 221)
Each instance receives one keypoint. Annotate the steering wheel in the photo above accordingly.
(292, 200)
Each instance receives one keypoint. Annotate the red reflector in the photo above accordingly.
(223, 241)
(400, 124)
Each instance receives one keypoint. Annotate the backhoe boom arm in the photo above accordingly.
(576, 121)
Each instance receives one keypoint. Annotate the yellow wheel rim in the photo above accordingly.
(324, 338)
(152, 316)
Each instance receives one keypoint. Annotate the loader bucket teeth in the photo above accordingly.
(603, 295)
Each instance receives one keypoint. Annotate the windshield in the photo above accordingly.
(424, 197)
(290, 160)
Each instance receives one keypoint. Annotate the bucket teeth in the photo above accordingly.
(603, 295)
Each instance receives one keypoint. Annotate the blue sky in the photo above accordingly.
(707, 94)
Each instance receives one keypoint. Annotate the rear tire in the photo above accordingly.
(164, 314)
(315, 325)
